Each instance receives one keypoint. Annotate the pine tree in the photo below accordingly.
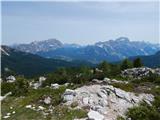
(126, 64)
(137, 62)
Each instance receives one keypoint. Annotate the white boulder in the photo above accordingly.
(41, 107)
(94, 115)
(41, 79)
(7, 116)
(55, 86)
(28, 106)
(11, 79)
(47, 100)
(3, 97)
(69, 95)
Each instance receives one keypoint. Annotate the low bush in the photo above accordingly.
(143, 112)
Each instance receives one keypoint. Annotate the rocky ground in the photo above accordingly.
(105, 99)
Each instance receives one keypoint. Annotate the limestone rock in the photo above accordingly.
(47, 100)
(69, 95)
(11, 79)
(139, 72)
(3, 97)
(94, 115)
(107, 100)
(55, 86)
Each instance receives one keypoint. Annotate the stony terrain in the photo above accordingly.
(140, 72)
(98, 99)
(106, 101)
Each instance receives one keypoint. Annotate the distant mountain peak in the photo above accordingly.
(37, 46)
(123, 39)
(51, 40)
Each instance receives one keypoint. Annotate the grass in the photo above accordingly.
(59, 113)
(19, 108)
(64, 113)
(126, 87)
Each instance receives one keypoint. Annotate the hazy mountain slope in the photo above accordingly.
(90, 53)
(29, 64)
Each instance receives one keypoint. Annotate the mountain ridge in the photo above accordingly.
(112, 50)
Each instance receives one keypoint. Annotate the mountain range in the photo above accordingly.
(111, 50)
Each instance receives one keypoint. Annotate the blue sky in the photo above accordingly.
(79, 22)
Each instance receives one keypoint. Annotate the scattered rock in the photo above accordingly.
(107, 80)
(55, 86)
(94, 115)
(98, 70)
(3, 97)
(69, 95)
(28, 106)
(13, 112)
(8, 114)
(41, 79)
(38, 84)
(5, 117)
(11, 79)
(66, 84)
(47, 100)
(41, 107)
(97, 81)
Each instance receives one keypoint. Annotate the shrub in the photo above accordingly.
(21, 87)
(7, 87)
(143, 112)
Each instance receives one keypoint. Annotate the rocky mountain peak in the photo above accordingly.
(37, 46)
(123, 39)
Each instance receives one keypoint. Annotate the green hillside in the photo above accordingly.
(31, 65)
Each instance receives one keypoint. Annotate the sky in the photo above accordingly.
(79, 22)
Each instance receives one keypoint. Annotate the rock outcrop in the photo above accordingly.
(11, 79)
(3, 97)
(104, 100)
(38, 84)
(140, 72)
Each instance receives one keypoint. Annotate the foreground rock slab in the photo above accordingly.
(104, 102)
